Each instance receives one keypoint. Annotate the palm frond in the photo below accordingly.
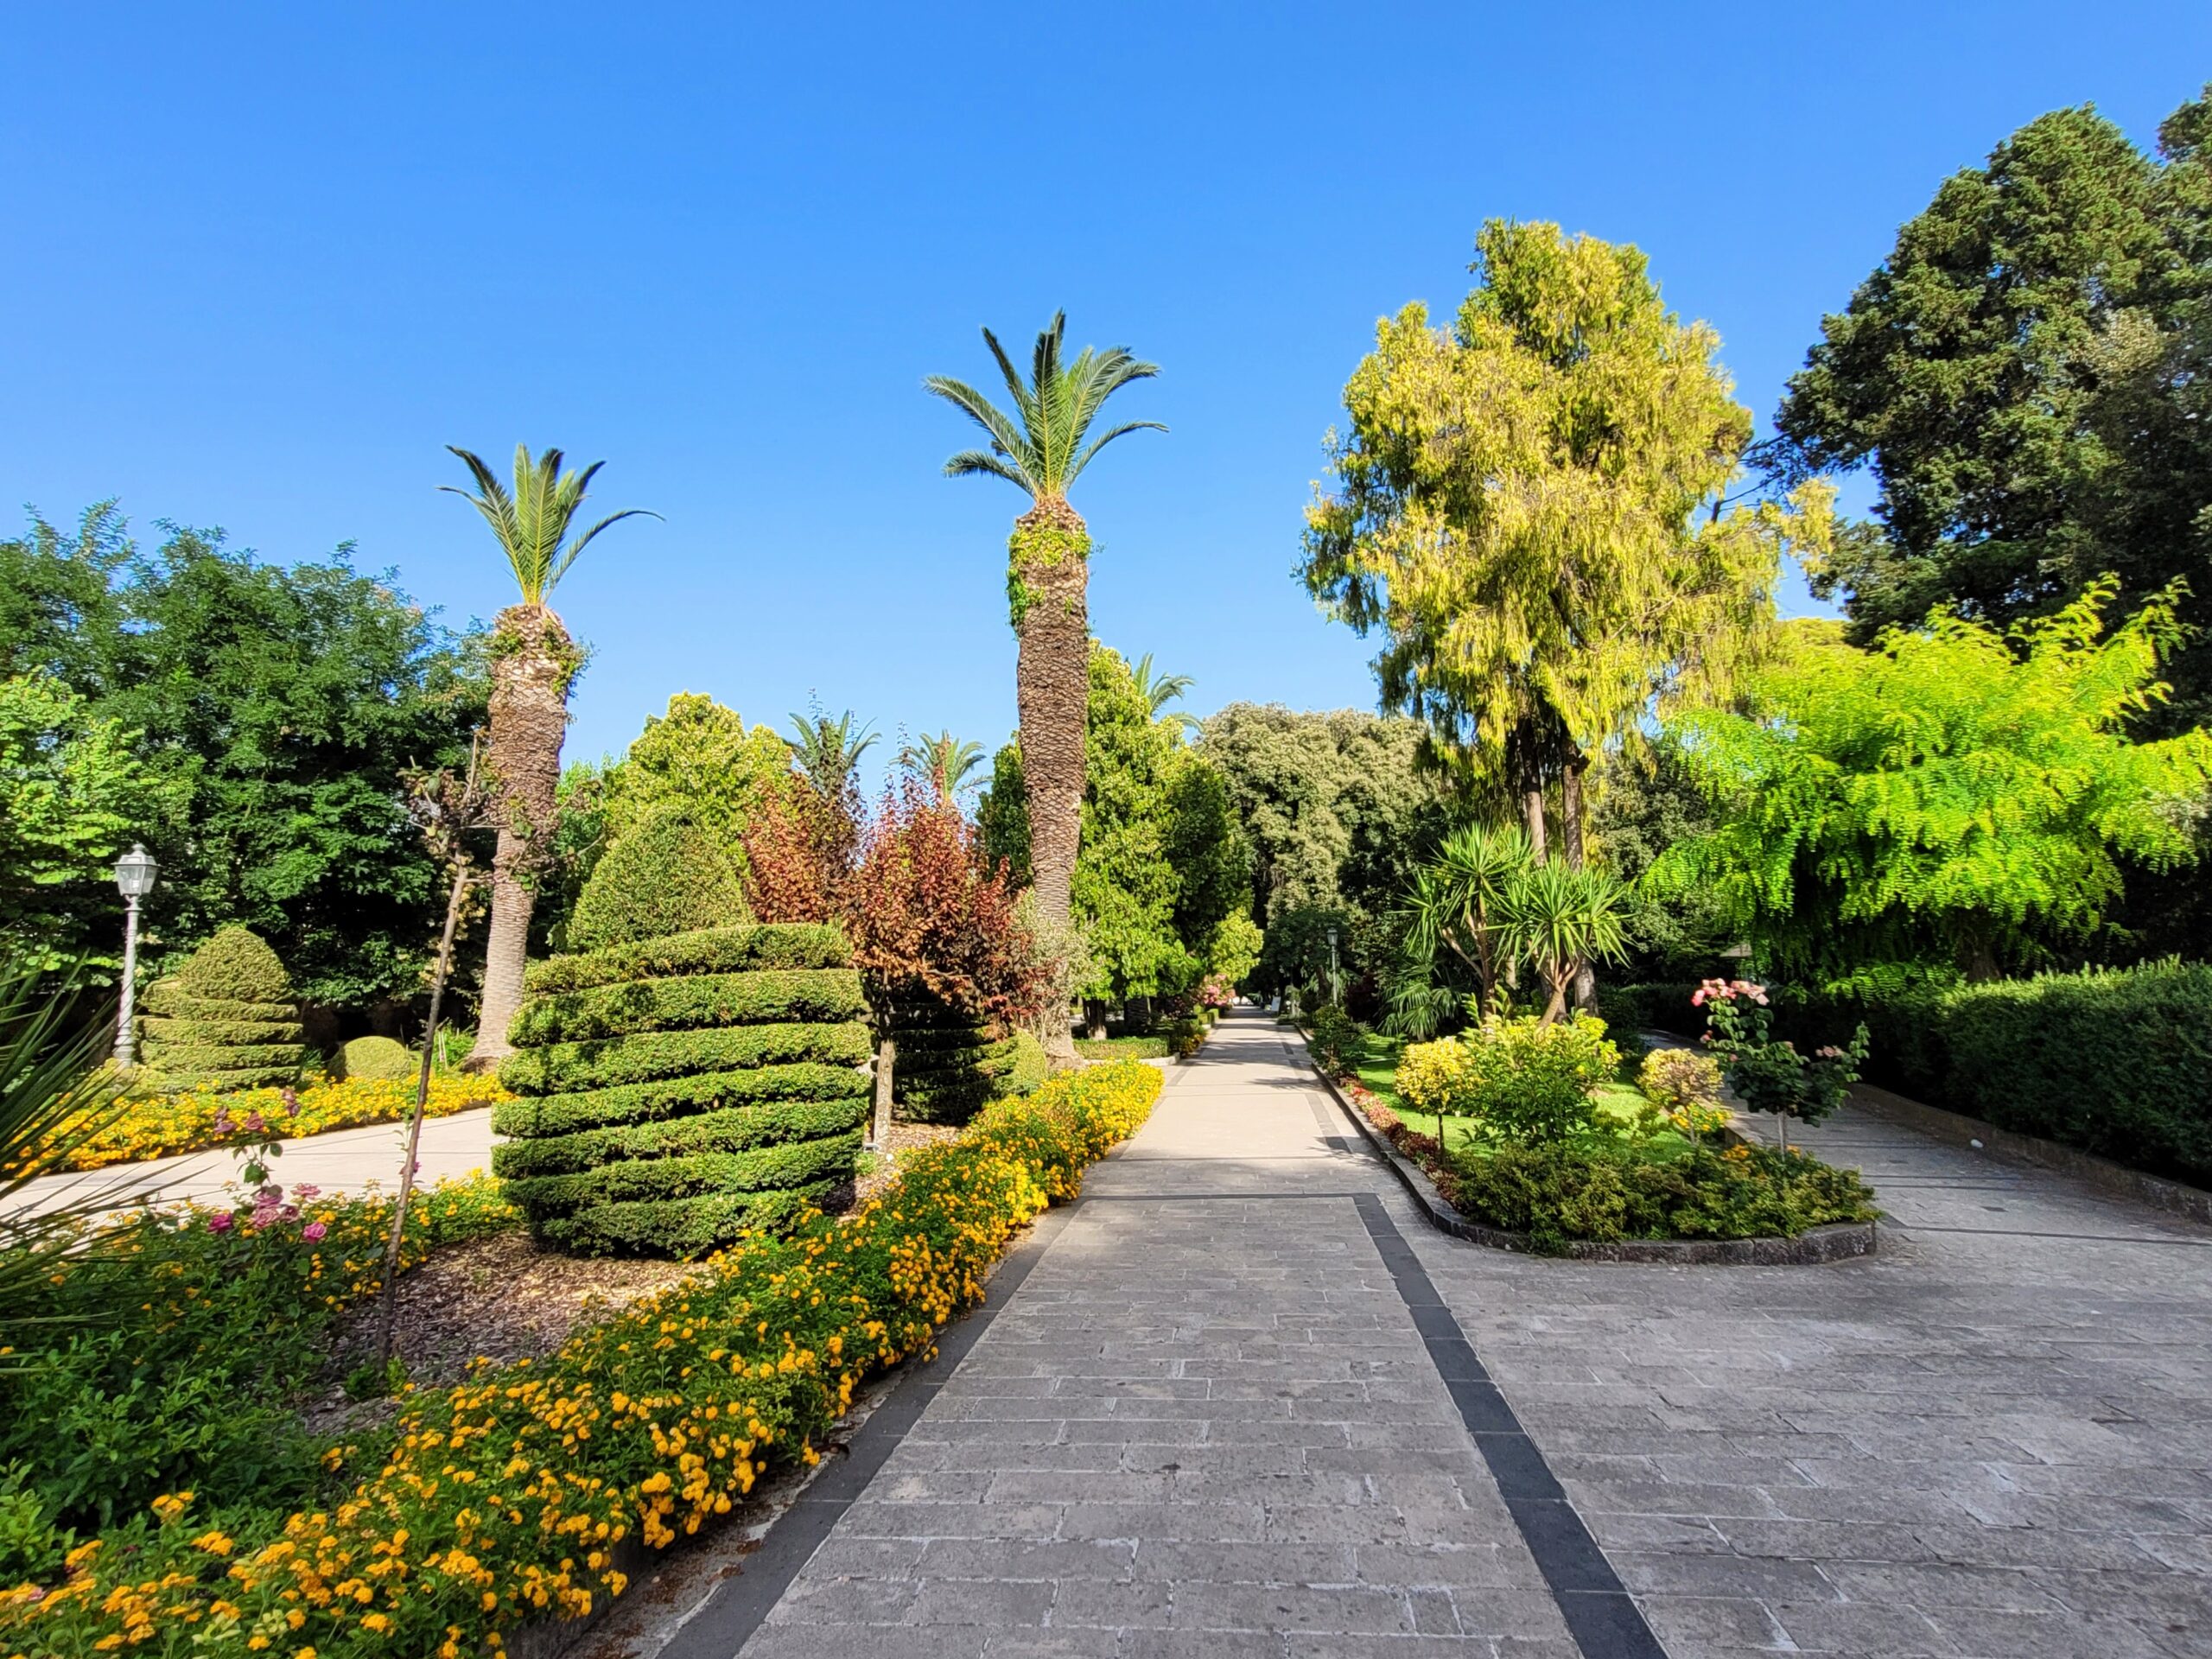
(970, 462)
(1120, 431)
(1006, 437)
(532, 520)
(1039, 447)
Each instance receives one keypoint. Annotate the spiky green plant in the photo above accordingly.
(1558, 919)
(828, 750)
(532, 519)
(945, 763)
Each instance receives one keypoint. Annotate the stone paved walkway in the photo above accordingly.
(1208, 1423)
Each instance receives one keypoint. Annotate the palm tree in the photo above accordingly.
(1457, 903)
(828, 750)
(1560, 920)
(1158, 693)
(533, 664)
(1041, 449)
(942, 762)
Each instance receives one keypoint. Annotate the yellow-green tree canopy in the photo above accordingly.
(1949, 801)
(1530, 506)
(700, 757)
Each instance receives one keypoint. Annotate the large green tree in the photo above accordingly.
(535, 522)
(2025, 376)
(1041, 447)
(1530, 509)
(277, 710)
(1947, 803)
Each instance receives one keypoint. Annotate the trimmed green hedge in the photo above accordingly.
(708, 950)
(661, 876)
(689, 1002)
(670, 1101)
(1663, 1007)
(224, 1020)
(375, 1058)
(2113, 1061)
(948, 1064)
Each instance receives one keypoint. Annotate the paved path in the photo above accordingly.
(344, 1160)
(1215, 1419)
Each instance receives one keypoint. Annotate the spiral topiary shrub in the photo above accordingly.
(224, 1020)
(948, 1064)
(379, 1059)
(678, 1091)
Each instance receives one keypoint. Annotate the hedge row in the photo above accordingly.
(949, 1065)
(709, 950)
(642, 1103)
(689, 1002)
(613, 1061)
(499, 1500)
(2114, 1061)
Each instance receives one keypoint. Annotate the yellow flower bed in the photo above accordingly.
(159, 1125)
(505, 1498)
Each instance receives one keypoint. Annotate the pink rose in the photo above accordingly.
(254, 1124)
(312, 1232)
(221, 1221)
(307, 1190)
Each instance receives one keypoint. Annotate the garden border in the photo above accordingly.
(1956, 1128)
(1840, 1241)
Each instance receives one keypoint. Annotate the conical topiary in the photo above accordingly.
(665, 876)
(224, 1020)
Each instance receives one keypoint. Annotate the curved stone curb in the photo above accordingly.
(1841, 1241)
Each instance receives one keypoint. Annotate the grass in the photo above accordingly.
(1121, 1048)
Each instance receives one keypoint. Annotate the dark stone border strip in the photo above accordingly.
(726, 1620)
(1603, 1617)
(1841, 1241)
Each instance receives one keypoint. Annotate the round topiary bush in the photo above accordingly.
(948, 1064)
(224, 1020)
(665, 876)
(374, 1058)
(677, 1091)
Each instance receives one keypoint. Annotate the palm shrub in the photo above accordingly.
(224, 1020)
(680, 1090)
(949, 1063)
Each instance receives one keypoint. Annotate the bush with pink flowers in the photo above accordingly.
(1771, 1075)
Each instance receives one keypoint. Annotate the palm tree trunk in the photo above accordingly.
(1051, 552)
(533, 662)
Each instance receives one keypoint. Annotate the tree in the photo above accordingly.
(1560, 921)
(1003, 815)
(828, 751)
(1462, 902)
(1041, 448)
(1161, 690)
(73, 794)
(928, 917)
(1948, 802)
(1531, 508)
(276, 709)
(945, 763)
(2016, 374)
(1646, 802)
(701, 759)
(534, 666)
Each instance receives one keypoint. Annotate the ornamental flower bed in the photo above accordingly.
(160, 1125)
(506, 1498)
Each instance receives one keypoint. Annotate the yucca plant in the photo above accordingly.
(54, 1096)
(534, 662)
(1560, 920)
(1041, 448)
(1457, 900)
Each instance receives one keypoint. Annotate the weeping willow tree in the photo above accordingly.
(1531, 509)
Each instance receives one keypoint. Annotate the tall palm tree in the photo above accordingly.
(1158, 693)
(945, 763)
(827, 751)
(1041, 448)
(533, 664)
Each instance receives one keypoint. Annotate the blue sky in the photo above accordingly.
(267, 260)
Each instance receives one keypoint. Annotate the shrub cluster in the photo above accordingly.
(1522, 1080)
(503, 1499)
(1604, 1188)
(1336, 1037)
(677, 1092)
(1650, 1007)
(948, 1064)
(224, 1020)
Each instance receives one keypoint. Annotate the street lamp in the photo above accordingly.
(134, 880)
(1336, 986)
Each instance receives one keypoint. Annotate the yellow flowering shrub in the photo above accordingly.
(504, 1499)
(158, 1125)
(1435, 1077)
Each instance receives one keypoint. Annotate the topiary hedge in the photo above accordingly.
(224, 1020)
(665, 876)
(373, 1059)
(948, 1064)
(677, 1092)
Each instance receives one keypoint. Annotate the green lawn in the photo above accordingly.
(1121, 1048)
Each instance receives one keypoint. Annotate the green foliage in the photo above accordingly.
(1560, 920)
(242, 1031)
(1002, 815)
(1162, 860)
(948, 1064)
(705, 950)
(73, 795)
(1336, 1037)
(1950, 797)
(375, 1058)
(1294, 952)
(1531, 507)
(1771, 1074)
(1030, 1067)
(275, 708)
(1528, 1083)
(533, 522)
(1663, 1007)
(665, 876)
(1647, 800)
(1603, 1189)
(673, 1104)
(1234, 951)
(1678, 1080)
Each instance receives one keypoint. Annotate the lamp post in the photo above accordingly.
(1336, 978)
(134, 879)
